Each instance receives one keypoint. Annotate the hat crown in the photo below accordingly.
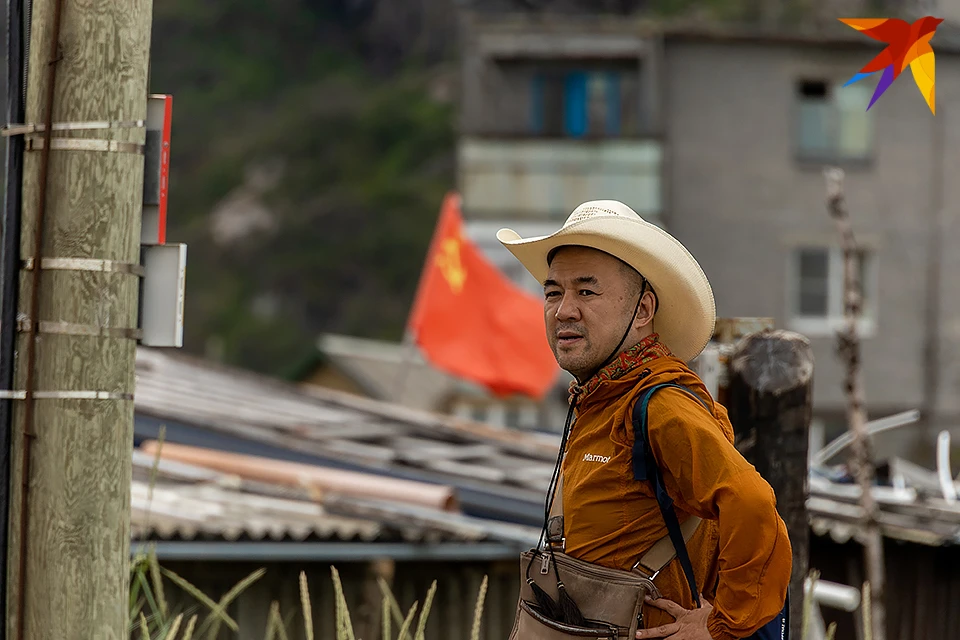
(599, 209)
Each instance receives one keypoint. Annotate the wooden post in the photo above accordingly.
(770, 406)
(70, 482)
(848, 348)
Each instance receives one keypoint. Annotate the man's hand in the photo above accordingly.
(691, 624)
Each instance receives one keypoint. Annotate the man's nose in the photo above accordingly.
(568, 308)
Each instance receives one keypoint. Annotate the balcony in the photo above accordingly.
(539, 179)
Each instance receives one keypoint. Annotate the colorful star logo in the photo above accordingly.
(907, 44)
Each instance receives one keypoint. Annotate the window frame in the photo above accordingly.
(834, 154)
(576, 83)
(833, 321)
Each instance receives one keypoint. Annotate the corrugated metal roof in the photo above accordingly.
(341, 426)
(176, 501)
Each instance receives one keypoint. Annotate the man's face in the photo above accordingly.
(589, 296)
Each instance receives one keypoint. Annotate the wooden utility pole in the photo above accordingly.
(770, 405)
(849, 351)
(82, 197)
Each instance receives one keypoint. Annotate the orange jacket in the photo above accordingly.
(741, 553)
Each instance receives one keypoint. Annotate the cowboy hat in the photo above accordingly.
(687, 313)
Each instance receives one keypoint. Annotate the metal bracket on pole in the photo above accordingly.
(73, 329)
(85, 264)
(66, 395)
(85, 144)
(24, 129)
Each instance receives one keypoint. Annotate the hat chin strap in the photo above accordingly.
(616, 350)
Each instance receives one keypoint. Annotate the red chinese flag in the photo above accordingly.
(471, 321)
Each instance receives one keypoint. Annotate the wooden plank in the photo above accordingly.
(479, 472)
(358, 450)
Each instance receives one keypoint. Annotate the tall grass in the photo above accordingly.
(151, 618)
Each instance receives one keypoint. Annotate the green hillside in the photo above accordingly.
(324, 139)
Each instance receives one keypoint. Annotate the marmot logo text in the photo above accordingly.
(589, 457)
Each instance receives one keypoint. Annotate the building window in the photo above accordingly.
(833, 123)
(579, 103)
(816, 290)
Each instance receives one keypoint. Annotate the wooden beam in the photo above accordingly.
(771, 401)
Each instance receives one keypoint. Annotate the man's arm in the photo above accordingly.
(706, 475)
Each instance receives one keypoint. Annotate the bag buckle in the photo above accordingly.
(650, 575)
(555, 537)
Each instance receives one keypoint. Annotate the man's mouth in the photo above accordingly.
(568, 337)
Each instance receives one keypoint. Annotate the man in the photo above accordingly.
(625, 306)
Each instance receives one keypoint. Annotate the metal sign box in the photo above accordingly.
(162, 294)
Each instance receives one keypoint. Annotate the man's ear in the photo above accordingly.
(646, 310)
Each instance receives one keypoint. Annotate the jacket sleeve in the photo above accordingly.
(706, 475)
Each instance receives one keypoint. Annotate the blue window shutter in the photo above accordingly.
(613, 104)
(575, 104)
(536, 103)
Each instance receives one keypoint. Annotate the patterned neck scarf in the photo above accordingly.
(650, 348)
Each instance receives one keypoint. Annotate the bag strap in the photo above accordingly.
(645, 469)
(555, 528)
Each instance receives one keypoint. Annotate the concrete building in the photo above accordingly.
(721, 135)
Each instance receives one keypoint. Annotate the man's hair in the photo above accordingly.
(633, 277)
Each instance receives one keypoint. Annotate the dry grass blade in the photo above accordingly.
(215, 618)
(188, 632)
(427, 603)
(277, 622)
(305, 605)
(201, 597)
(867, 613)
(478, 611)
(270, 632)
(385, 618)
(831, 631)
(344, 625)
(144, 628)
(405, 629)
(174, 628)
(157, 581)
(394, 605)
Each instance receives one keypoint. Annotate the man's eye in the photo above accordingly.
(551, 294)
(586, 292)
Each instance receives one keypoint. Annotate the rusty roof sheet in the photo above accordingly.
(176, 501)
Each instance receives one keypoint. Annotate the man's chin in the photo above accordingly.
(571, 365)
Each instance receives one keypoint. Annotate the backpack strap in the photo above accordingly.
(645, 469)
